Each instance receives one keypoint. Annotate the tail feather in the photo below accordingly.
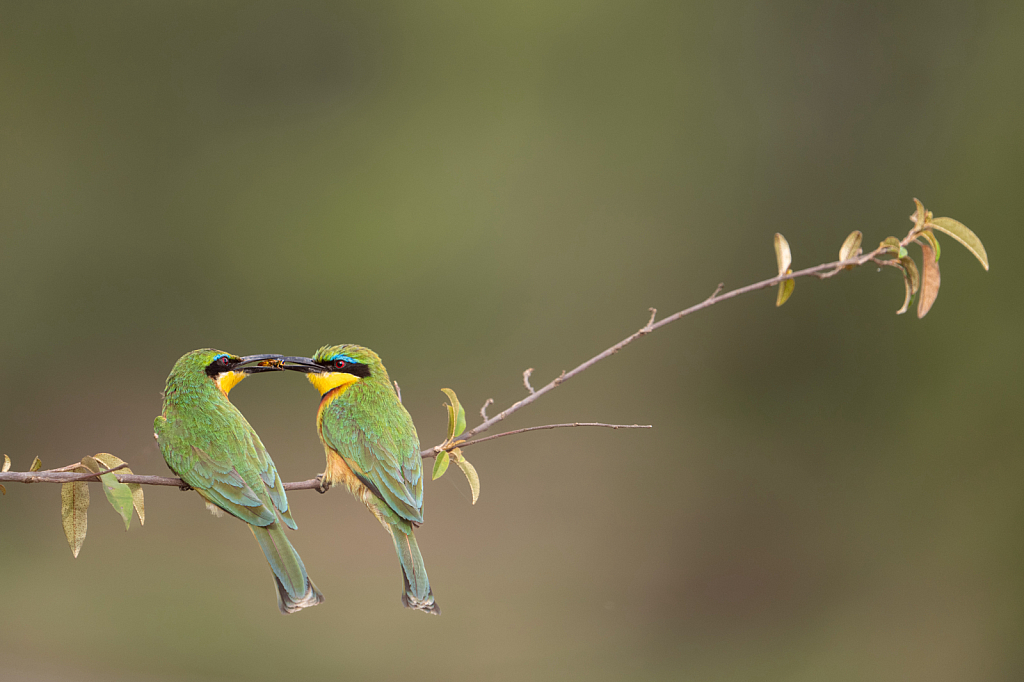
(418, 594)
(295, 591)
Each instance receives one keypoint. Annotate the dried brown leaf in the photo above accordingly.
(930, 280)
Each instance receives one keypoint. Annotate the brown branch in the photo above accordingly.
(65, 476)
(822, 271)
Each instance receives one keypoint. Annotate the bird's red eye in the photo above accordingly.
(223, 360)
(339, 364)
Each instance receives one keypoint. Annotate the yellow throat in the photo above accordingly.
(325, 382)
(228, 380)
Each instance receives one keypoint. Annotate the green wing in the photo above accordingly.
(388, 457)
(229, 472)
(271, 479)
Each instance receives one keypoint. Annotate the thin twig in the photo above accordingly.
(461, 444)
(483, 410)
(526, 380)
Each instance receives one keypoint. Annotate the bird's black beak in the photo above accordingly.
(300, 364)
(259, 363)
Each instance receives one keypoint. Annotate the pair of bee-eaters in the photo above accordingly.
(368, 436)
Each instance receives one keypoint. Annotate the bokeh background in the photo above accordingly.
(830, 492)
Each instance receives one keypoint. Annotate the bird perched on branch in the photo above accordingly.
(208, 443)
(373, 450)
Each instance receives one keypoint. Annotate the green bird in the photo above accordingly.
(208, 443)
(373, 450)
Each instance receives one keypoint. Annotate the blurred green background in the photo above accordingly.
(830, 492)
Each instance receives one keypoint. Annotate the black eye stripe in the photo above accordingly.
(357, 369)
(220, 365)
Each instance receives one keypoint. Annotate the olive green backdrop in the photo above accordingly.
(830, 492)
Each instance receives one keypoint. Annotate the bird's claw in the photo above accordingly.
(185, 487)
(323, 486)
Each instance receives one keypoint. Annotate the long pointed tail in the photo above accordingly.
(417, 593)
(295, 591)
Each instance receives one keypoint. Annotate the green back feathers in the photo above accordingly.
(367, 425)
(211, 446)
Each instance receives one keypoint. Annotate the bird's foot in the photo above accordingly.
(185, 487)
(324, 485)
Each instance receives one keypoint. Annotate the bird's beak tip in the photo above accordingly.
(259, 363)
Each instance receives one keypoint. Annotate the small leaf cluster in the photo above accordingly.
(74, 497)
(920, 281)
(450, 450)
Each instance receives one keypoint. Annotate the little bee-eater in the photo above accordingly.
(208, 443)
(373, 450)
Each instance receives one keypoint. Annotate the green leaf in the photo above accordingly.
(456, 415)
(138, 499)
(930, 279)
(959, 232)
(892, 244)
(119, 497)
(74, 507)
(37, 464)
(929, 236)
(851, 246)
(118, 494)
(786, 287)
(7, 464)
(783, 256)
(902, 252)
(91, 464)
(440, 464)
(470, 471)
(920, 215)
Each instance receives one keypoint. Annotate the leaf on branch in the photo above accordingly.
(910, 267)
(118, 494)
(7, 464)
(119, 497)
(930, 279)
(962, 234)
(138, 500)
(851, 247)
(920, 215)
(470, 471)
(783, 256)
(891, 244)
(37, 464)
(929, 236)
(456, 415)
(786, 287)
(74, 507)
(911, 280)
(440, 465)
